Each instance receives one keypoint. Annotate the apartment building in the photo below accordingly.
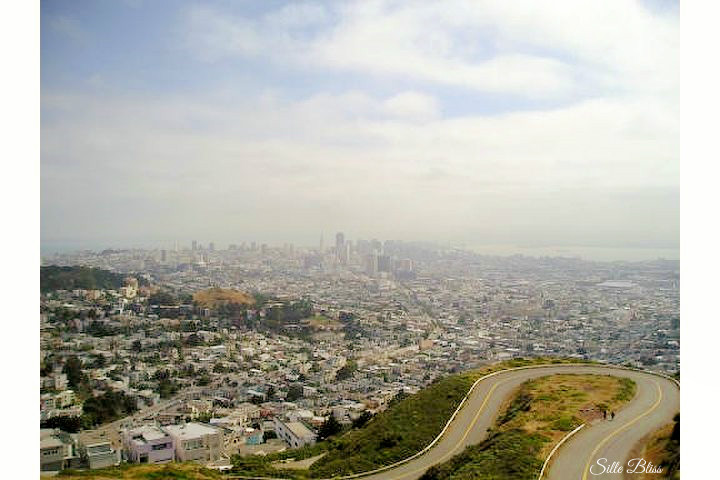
(148, 444)
(295, 434)
(196, 442)
(56, 450)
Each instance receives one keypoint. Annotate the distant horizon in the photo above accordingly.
(597, 253)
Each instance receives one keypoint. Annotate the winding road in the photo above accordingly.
(655, 404)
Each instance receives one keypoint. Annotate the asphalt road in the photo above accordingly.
(655, 404)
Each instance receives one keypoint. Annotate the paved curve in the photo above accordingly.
(656, 402)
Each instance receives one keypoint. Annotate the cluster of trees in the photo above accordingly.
(346, 371)
(329, 428)
(351, 326)
(101, 329)
(54, 277)
(165, 385)
(295, 392)
(107, 407)
(64, 423)
(77, 379)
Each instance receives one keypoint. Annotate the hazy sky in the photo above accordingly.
(525, 122)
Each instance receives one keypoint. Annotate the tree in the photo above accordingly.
(106, 408)
(194, 340)
(346, 371)
(73, 369)
(98, 361)
(294, 392)
(270, 394)
(362, 419)
(329, 428)
(162, 297)
(64, 423)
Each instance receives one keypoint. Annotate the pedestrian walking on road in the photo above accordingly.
(612, 415)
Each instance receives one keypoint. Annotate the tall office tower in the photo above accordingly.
(371, 264)
(322, 246)
(340, 248)
(362, 247)
(339, 242)
(385, 263)
(163, 255)
(176, 246)
(211, 247)
(194, 245)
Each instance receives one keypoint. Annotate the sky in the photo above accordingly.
(458, 121)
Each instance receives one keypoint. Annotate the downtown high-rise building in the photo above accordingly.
(341, 249)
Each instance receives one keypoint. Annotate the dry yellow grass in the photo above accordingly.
(652, 449)
(321, 322)
(176, 471)
(559, 403)
(215, 297)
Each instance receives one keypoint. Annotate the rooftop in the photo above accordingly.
(299, 430)
(190, 430)
(146, 433)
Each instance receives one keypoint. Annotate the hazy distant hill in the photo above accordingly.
(214, 297)
(54, 277)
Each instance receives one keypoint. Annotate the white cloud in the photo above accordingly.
(524, 47)
(412, 105)
(344, 158)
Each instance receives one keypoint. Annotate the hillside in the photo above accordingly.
(216, 297)
(54, 277)
(540, 414)
(405, 428)
(175, 471)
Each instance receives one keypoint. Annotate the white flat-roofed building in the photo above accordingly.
(56, 450)
(196, 442)
(149, 444)
(101, 455)
(295, 434)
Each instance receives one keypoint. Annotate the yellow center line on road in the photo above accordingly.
(615, 432)
(467, 432)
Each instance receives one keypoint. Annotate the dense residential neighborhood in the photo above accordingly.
(203, 354)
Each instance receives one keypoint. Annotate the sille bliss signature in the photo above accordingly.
(634, 465)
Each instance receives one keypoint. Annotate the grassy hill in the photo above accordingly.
(662, 448)
(539, 415)
(174, 471)
(54, 277)
(215, 297)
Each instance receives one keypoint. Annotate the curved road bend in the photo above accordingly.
(656, 402)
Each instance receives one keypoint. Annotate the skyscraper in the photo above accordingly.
(340, 250)
(371, 264)
(194, 245)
